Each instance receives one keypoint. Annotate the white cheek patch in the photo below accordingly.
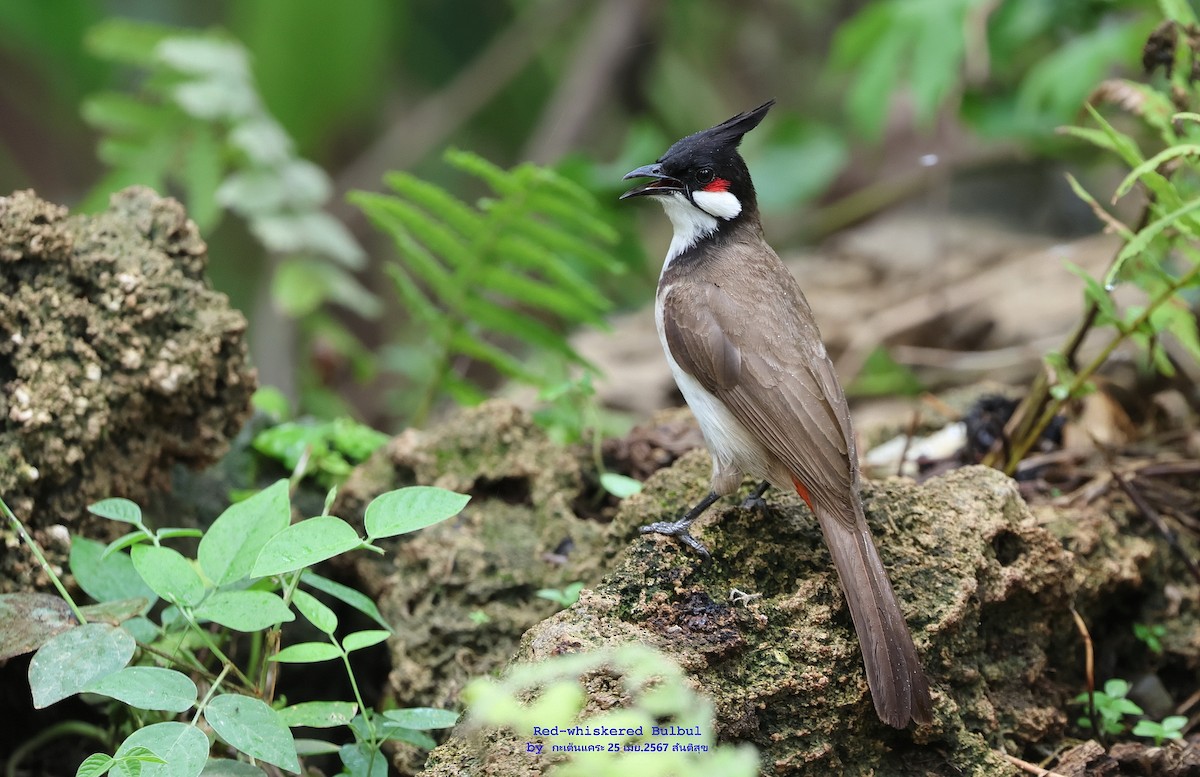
(723, 205)
(690, 224)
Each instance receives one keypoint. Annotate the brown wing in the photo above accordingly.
(775, 378)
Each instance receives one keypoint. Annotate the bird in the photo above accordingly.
(746, 353)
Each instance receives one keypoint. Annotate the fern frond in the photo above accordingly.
(434, 199)
(513, 268)
(469, 345)
(532, 256)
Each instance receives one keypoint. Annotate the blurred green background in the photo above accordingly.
(869, 93)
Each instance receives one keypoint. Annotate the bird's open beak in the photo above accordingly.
(661, 183)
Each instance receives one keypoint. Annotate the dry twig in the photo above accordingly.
(1025, 766)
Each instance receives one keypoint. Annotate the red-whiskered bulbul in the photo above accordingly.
(742, 343)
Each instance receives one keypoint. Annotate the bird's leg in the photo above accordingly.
(679, 529)
(755, 501)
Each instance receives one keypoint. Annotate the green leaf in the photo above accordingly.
(307, 653)
(391, 731)
(147, 688)
(409, 509)
(94, 765)
(435, 199)
(317, 613)
(1116, 688)
(1152, 164)
(116, 113)
(168, 573)
(117, 509)
(1176, 317)
(123, 542)
(363, 639)
(306, 747)
(345, 594)
(227, 767)
(1096, 294)
(422, 717)
(114, 613)
(66, 664)
(183, 748)
(247, 611)
(273, 402)
(304, 544)
(251, 726)
(620, 486)
(106, 579)
(1142, 239)
(361, 760)
(233, 542)
(29, 620)
(470, 345)
(319, 714)
(127, 42)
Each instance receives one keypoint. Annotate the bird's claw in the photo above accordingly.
(678, 530)
(756, 503)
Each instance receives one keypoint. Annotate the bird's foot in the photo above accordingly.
(678, 530)
(755, 501)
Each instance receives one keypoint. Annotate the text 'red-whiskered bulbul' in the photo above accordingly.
(746, 353)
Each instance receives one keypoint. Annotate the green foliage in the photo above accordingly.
(1111, 705)
(1160, 257)
(564, 597)
(251, 574)
(881, 375)
(1159, 142)
(1017, 68)
(1151, 635)
(1171, 727)
(196, 124)
(327, 450)
(540, 701)
(919, 43)
(512, 268)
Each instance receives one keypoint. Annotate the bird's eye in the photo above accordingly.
(705, 175)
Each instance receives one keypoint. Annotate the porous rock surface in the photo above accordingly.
(977, 576)
(117, 358)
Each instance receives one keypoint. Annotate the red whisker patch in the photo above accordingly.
(717, 185)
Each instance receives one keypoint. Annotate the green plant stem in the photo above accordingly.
(1022, 445)
(194, 665)
(268, 673)
(368, 716)
(41, 558)
(227, 663)
(212, 691)
(1039, 394)
(71, 728)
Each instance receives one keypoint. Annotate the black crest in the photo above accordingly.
(726, 135)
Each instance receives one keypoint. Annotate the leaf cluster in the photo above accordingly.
(324, 450)
(251, 574)
(1111, 706)
(515, 268)
(1016, 68)
(194, 122)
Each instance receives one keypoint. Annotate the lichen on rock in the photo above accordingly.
(117, 358)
